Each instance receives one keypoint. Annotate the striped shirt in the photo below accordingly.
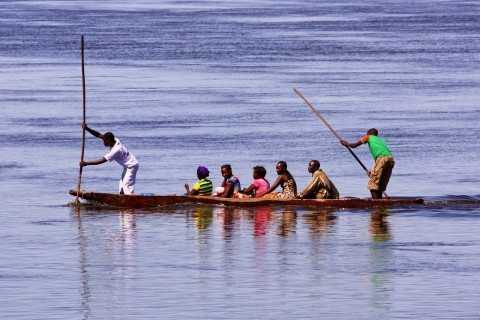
(204, 187)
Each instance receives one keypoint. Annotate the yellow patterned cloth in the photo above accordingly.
(320, 187)
(288, 192)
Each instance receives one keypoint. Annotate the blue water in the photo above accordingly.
(184, 83)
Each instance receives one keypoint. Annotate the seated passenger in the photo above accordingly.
(286, 181)
(259, 184)
(230, 183)
(203, 187)
(320, 186)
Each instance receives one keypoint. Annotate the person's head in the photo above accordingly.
(259, 172)
(372, 132)
(313, 166)
(281, 167)
(108, 139)
(202, 172)
(226, 170)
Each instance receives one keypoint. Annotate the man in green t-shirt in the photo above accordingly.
(384, 162)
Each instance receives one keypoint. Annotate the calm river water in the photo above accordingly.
(184, 83)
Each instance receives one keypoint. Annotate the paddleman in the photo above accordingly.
(121, 155)
(320, 186)
(203, 187)
(384, 161)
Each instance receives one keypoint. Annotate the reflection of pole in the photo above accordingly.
(82, 242)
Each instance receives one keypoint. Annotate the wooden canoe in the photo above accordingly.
(149, 201)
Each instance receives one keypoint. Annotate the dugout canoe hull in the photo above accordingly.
(151, 201)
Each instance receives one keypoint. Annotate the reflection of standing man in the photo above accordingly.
(379, 225)
(128, 226)
(120, 154)
(381, 258)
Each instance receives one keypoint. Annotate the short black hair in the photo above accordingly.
(372, 131)
(109, 136)
(261, 171)
(226, 166)
(282, 163)
(316, 162)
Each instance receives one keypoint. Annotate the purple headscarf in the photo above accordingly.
(202, 171)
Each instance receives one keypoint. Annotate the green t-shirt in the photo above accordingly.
(378, 147)
(204, 187)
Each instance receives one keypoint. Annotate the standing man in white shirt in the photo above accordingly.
(120, 154)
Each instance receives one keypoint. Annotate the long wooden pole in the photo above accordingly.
(317, 113)
(82, 49)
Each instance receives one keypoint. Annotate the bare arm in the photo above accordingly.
(309, 189)
(249, 190)
(93, 132)
(192, 192)
(351, 145)
(277, 182)
(226, 191)
(93, 162)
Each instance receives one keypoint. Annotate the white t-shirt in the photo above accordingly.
(120, 154)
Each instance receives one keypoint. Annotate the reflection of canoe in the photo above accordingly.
(148, 201)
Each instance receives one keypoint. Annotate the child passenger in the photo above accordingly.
(259, 185)
(203, 187)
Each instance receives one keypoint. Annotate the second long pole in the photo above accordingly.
(318, 114)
